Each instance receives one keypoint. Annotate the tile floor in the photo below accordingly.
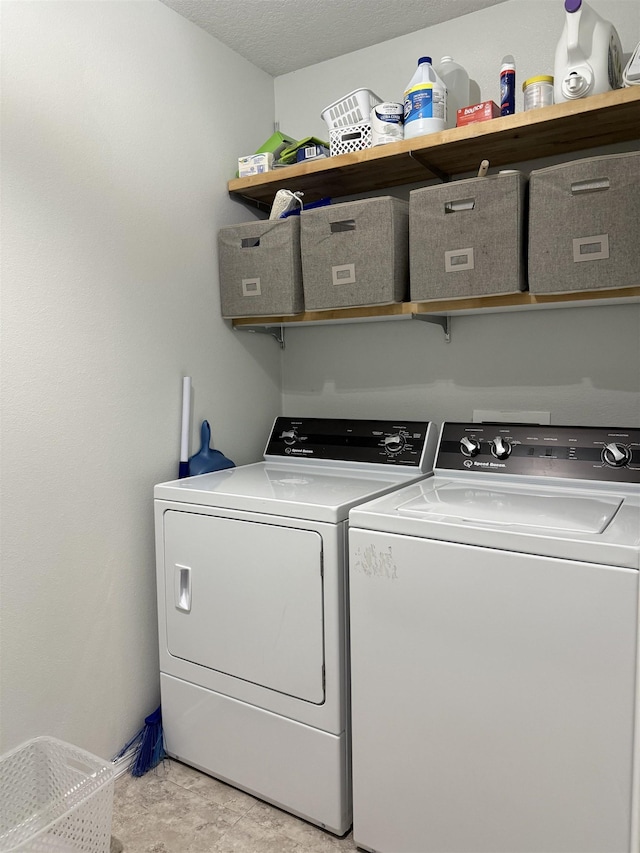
(176, 809)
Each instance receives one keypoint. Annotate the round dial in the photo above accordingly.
(500, 448)
(289, 436)
(616, 455)
(394, 443)
(469, 446)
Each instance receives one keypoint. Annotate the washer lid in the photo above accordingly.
(295, 490)
(593, 526)
(502, 507)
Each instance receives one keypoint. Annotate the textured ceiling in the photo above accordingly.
(280, 36)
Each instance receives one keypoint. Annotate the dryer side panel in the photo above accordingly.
(246, 599)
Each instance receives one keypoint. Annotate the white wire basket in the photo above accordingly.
(55, 798)
(346, 140)
(354, 108)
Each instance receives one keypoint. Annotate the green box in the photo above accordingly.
(276, 144)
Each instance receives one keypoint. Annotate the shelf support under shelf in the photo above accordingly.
(443, 322)
(254, 202)
(276, 332)
(443, 176)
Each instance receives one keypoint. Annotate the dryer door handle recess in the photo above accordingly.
(183, 588)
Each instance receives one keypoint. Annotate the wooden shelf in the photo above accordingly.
(447, 308)
(559, 129)
(562, 128)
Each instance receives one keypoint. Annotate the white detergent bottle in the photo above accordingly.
(588, 56)
(456, 81)
(425, 101)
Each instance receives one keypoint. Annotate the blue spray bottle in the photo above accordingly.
(508, 86)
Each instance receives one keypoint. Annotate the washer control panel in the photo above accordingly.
(582, 453)
(367, 441)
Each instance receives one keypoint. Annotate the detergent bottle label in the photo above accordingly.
(423, 101)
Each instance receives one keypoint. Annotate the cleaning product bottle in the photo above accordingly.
(456, 80)
(425, 101)
(508, 86)
(588, 57)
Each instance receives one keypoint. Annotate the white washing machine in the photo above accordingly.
(494, 647)
(251, 575)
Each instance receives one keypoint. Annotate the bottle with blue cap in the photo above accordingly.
(425, 101)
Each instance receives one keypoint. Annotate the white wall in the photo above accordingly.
(580, 364)
(118, 137)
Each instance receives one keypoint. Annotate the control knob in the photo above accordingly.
(616, 455)
(500, 448)
(469, 446)
(394, 443)
(289, 436)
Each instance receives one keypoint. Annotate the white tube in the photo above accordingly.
(186, 412)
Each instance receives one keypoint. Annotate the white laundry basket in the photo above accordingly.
(354, 108)
(54, 797)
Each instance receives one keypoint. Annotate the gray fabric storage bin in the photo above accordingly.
(583, 232)
(468, 238)
(355, 253)
(260, 268)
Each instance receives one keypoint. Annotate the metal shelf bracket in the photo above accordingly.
(276, 332)
(443, 322)
(442, 176)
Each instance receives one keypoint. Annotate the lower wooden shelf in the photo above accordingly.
(447, 308)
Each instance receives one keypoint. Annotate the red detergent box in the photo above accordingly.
(477, 112)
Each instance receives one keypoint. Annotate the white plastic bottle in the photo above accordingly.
(588, 58)
(425, 101)
(456, 80)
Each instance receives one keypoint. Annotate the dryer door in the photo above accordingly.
(246, 599)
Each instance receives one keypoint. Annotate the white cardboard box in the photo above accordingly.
(254, 164)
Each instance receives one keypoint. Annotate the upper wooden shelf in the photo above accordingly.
(561, 128)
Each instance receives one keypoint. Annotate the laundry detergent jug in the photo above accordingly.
(588, 56)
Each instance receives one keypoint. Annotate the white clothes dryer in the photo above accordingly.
(494, 647)
(252, 604)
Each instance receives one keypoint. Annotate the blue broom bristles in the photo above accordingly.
(151, 748)
(148, 744)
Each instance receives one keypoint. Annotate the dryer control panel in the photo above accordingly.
(582, 453)
(400, 443)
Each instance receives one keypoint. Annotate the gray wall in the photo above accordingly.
(528, 29)
(582, 365)
(116, 150)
